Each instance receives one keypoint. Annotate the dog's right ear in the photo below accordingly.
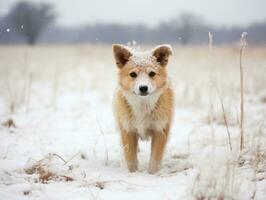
(121, 54)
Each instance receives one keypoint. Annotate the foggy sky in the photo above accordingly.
(152, 12)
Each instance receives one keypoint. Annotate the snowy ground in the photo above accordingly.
(65, 144)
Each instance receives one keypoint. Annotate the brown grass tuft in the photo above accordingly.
(9, 123)
(44, 172)
(45, 175)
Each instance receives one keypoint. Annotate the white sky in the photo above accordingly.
(151, 12)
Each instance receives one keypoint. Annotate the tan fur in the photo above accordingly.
(148, 116)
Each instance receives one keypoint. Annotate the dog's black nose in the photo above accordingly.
(143, 89)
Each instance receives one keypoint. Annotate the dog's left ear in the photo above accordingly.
(162, 53)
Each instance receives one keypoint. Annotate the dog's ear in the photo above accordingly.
(121, 54)
(162, 53)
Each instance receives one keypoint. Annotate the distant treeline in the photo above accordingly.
(186, 29)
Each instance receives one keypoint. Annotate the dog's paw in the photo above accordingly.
(154, 166)
(132, 166)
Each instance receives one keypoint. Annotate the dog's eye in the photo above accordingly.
(133, 74)
(152, 74)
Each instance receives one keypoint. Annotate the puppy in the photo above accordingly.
(143, 103)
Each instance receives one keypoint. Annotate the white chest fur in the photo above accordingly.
(142, 108)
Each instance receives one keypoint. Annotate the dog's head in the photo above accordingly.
(142, 73)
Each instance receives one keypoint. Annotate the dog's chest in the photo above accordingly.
(142, 119)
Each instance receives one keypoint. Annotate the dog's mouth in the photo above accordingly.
(142, 94)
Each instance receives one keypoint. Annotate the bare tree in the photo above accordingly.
(30, 19)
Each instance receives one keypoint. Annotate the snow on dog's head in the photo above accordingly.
(142, 73)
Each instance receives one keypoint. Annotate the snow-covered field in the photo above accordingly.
(58, 138)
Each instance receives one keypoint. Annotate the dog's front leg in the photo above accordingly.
(130, 146)
(159, 140)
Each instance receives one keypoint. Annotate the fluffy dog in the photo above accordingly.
(143, 103)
